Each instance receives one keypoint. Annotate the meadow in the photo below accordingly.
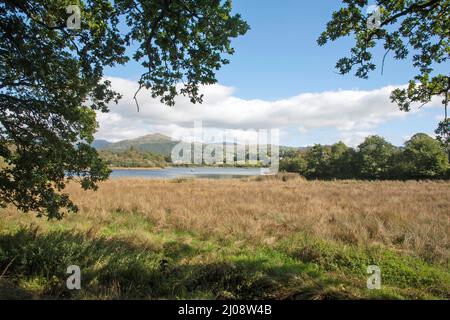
(270, 237)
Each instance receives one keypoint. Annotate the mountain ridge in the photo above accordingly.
(154, 142)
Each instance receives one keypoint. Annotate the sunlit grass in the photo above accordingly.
(281, 238)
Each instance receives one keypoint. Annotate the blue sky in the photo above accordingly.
(279, 59)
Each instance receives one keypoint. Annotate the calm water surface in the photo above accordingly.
(207, 172)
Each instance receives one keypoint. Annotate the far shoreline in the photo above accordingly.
(138, 168)
(183, 166)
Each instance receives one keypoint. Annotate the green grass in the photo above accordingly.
(126, 256)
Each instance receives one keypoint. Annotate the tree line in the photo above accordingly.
(133, 158)
(421, 157)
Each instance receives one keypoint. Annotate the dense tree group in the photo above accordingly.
(422, 157)
(133, 158)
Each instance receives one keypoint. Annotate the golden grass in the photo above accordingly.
(413, 217)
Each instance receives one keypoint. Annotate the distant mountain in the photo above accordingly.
(100, 144)
(155, 143)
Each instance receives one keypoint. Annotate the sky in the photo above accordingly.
(279, 78)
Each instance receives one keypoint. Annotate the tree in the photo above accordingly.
(52, 83)
(293, 163)
(341, 162)
(443, 135)
(374, 158)
(417, 27)
(424, 157)
(318, 160)
(330, 162)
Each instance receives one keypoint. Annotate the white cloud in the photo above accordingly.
(351, 112)
(354, 138)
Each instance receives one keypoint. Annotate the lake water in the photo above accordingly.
(203, 172)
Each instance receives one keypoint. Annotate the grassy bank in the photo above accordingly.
(255, 238)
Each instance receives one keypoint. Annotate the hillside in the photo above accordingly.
(133, 158)
(154, 143)
(100, 144)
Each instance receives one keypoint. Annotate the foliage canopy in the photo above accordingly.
(52, 83)
(410, 28)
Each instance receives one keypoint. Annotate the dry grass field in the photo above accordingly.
(266, 237)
